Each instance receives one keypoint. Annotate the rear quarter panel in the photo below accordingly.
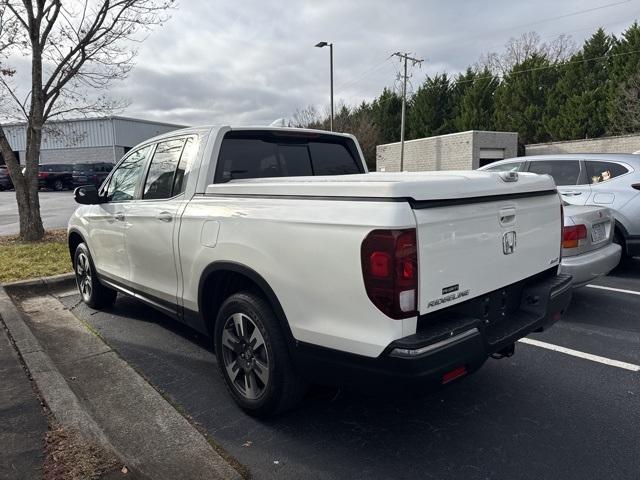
(309, 258)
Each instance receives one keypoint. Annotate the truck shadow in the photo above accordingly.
(526, 410)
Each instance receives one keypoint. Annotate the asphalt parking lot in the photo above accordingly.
(55, 207)
(540, 414)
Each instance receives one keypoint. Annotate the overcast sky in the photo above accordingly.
(251, 62)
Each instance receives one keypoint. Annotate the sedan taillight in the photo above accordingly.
(572, 235)
(390, 271)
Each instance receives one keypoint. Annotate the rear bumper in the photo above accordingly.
(589, 266)
(451, 342)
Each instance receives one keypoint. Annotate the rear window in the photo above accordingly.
(599, 172)
(80, 167)
(276, 154)
(564, 172)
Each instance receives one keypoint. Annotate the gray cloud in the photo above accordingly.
(251, 62)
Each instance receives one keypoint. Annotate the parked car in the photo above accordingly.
(305, 268)
(90, 173)
(55, 176)
(609, 180)
(5, 178)
(587, 248)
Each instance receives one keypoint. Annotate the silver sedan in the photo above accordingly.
(587, 248)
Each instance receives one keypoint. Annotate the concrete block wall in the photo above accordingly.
(456, 151)
(618, 144)
(445, 152)
(79, 155)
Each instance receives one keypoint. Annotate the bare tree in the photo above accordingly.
(307, 117)
(517, 50)
(75, 50)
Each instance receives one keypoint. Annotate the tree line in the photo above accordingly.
(544, 91)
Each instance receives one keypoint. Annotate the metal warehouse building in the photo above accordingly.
(104, 139)
(456, 151)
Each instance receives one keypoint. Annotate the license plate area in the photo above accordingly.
(598, 232)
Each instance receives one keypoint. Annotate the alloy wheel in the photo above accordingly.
(245, 356)
(83, 276)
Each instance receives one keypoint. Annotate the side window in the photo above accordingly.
(186, 159)
(123, 182)
(598, 172)
(564, 172)
(505, 167)
(159, 183)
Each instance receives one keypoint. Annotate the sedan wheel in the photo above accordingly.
(83, 276)
(245, 356)
(58, 185)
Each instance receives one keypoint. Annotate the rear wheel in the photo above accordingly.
(58, 185)
(92, 291)
(253, 357)
(618, 238)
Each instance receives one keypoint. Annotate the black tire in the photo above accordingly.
(93, 293)
(58, 185)
(283, 388)
(618, 238)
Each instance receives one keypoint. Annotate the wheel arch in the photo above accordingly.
(226, 278)
(74, 238)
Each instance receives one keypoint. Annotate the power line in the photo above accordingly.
(414, 61)
(547, 67)
(365, 73)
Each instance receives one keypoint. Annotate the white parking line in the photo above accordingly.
(586, 356)
(621, 290)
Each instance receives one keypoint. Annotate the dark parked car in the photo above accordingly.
(5, 179)
(90, 173)
(55, 176)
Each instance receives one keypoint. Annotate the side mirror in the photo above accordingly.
(88, 195)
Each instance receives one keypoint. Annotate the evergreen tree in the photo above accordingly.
(459, 87)
(386, 111)
(577, 106)
(476, 107)
(521, 99)
(625, 64)
(431, 111)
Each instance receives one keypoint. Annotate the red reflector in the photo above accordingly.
(380, 262)
(453, 374)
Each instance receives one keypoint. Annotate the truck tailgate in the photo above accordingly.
(468, 249)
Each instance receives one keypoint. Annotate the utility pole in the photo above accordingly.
(414, 61)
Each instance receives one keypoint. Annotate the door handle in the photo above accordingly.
(571, 194)
(164, 216)
(119, 216)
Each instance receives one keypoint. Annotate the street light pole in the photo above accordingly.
(330, 45)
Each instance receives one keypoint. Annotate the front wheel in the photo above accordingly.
(92, 291)
(253, 357)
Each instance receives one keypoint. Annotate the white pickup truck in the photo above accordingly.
(304, 267)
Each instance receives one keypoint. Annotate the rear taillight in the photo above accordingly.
(572, 235)
(42, 175)
(390, 270)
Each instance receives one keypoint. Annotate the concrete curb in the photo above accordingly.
(54, 282)
(62, 402)
(116, 419)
